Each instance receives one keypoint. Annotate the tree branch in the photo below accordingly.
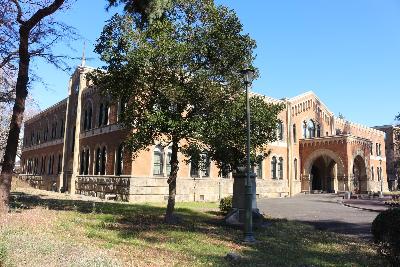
(19, 11)
(43, 12)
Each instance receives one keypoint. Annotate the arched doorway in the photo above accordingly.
(323, 174)
(321, 171)
(359, 175)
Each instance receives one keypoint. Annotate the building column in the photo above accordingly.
(75, 163)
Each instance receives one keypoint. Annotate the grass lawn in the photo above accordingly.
(47, 231)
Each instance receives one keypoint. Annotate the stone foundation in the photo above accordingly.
(115, 187)
(45, 182)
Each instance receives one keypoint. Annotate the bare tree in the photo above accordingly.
(27, 29)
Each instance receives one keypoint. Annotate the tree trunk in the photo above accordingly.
(169, 215)
(16, 121)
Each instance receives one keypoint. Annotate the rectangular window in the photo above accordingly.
(157, 166)
(168, 164)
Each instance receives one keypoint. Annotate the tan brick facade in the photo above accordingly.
(315, 151)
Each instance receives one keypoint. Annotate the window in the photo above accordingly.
(380, 150)
(295, 169)
(194, 170)
(168, 163)
(304, 130)
(280, 168)
(101, 114)
(224, 171)
(280, 131)
(120, 160)
(86, 171)
(294, 133)
(204, 165)
(46, 133)
(59, 166)
(103, 161)
(82, 165)
(319, 130)
(273, 168)
(62, 129)
(205, 168)
(49, 166)
(372, 173)
(97, 163)
(258, 170)
(121, 109)
(372, 149)
(311, 129)
(88, 118)
(158, 161)
(377, 149)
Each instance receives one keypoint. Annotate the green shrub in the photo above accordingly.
(386, 233)
(225, 204)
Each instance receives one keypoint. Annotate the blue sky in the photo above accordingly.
(346, 51)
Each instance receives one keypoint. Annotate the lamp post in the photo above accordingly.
(248, 75)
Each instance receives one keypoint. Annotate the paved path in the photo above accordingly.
(324, 211)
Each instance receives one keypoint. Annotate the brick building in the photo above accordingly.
(392, 143)
(75, 146)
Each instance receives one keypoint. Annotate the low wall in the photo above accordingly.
(42, 182)
(102, 186)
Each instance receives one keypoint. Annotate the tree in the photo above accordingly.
(145, 10)
(224, 134)
(27, 30)
(174, 71)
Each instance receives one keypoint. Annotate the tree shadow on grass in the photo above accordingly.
(205, 237)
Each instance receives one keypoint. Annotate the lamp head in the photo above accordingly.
(248, 75)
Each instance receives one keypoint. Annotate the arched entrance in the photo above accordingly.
(359, 175)
(321, 171)
(323, 174)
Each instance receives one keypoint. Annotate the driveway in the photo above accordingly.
(324, 211)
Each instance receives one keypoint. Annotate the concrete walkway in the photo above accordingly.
(324, 211)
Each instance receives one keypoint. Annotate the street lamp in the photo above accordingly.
(248, 75)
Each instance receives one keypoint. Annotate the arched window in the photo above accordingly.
(121, 109)
(294, 133)
(119, 160)
(158, 160)
(311, 129)
(372, 173)
(103, 161)
(280, 131)
(49, 166)
(295, 169)
(97, 163)
(85, 120)
(280, 168)
(62, 129)
(103, 114)
(82, 165)
(273, 168)
(59, 166)
(89, 118)
(304, 129)
(318, 130)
